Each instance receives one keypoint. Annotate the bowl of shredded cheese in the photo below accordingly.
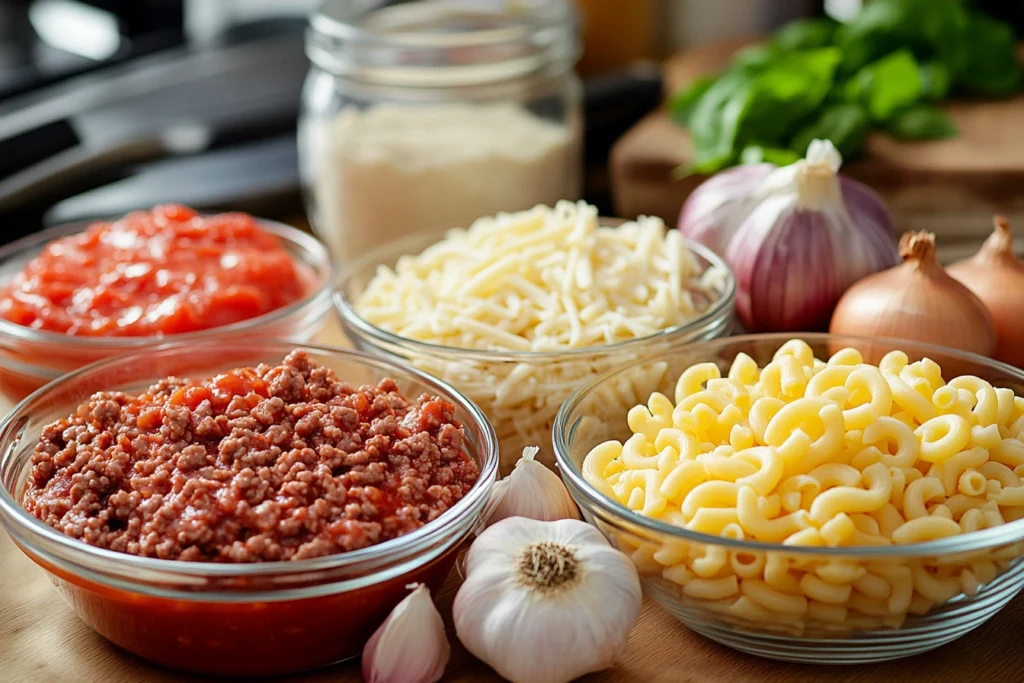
(519, 310)
(816, 499)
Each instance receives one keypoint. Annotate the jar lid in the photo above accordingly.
(441, 43)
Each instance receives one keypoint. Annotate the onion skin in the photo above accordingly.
(917, 301)
(796, 237)
(713, 212)
(785, 285)
(793, 265)
(996, 276)
(869, 212)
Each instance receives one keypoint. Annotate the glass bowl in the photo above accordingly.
(519, 391)
(30, 358)
(670, 559)
(235, 619)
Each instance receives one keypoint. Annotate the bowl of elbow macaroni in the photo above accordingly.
(816, 498)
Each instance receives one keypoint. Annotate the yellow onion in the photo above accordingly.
(996, 276)
(916, 300)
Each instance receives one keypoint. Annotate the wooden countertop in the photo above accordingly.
(41, 640)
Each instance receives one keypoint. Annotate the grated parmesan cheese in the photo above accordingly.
(387, 171)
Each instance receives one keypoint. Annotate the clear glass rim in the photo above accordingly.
(394, 549)
(719, 310)
(592, 499)
(342, 41)
(335, 20)
(309, 246)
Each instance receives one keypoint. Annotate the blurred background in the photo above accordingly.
(113, 105)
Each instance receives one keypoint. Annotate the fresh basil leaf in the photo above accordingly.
(683, 103)
(838, 92)
(921, 122)
(930, 29)
(790, 89)
(715, 121)
(934, 81)
(992, 67)
(887, 85)
(817, 79)
(754, 58)
(870, 35)
(845, 125)
(757, 154)
(804, 34)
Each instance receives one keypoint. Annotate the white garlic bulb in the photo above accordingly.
(546, 602)
(410, 646)
(530, 490)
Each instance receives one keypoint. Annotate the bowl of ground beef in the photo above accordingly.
(78, 293)
(245, 509)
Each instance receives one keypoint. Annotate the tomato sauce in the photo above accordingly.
(354, 466)
(161, 272)
(253, 637)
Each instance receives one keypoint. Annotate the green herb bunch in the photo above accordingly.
(816, 78)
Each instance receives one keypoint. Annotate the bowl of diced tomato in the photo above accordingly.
(77, 293)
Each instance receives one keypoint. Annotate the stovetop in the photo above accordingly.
(161, 120)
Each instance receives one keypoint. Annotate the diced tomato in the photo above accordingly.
(191, 396)
(166, 271)
(240, 382)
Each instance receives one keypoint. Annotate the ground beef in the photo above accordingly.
(258, 464)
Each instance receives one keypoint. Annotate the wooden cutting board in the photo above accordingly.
(950, 187)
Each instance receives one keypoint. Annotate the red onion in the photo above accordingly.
(713, 212)
(808, 235)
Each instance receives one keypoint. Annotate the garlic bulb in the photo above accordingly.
(530, 490)
(410, 646)
(546, 602)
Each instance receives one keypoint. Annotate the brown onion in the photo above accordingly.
(996, 276)
(918, 301)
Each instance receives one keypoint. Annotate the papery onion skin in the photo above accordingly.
(794, 259)
(714, 211)
(996, 276)
(869, 212)
(917, 301)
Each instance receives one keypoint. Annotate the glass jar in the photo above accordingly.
(422, 116)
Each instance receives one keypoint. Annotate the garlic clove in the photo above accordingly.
(530, 490)
(410, 646)
(546, 602)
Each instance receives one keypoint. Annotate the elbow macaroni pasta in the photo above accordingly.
(802, 453)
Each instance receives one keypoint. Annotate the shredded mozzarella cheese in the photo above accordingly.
(542, 280)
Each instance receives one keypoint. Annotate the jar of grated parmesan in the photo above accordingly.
(423, 116)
